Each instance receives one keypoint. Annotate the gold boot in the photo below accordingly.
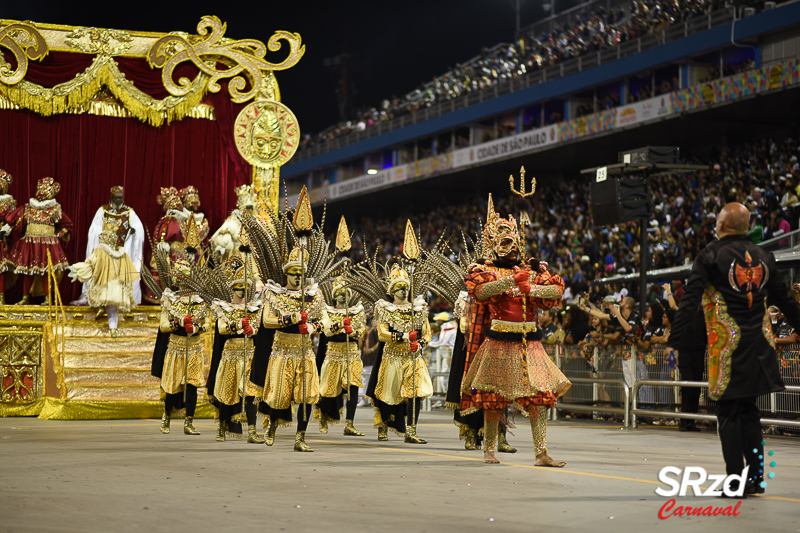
(411, 436)
(165, 423)
(383, 431)
(349, 429)
(503, 445)
(252, 436)
(26, 300)
(188, 428)
(471, 440)
(2, 299)
(323, 423)
(221, 431)
(46, 300)
(269, 434)
(300, 442)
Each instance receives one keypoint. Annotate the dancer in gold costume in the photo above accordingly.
(340, 360)
(292, 371)
(238, 322)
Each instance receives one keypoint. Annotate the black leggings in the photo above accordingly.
(350, 410)
(413, 416)
(175, 401)
(303, 424)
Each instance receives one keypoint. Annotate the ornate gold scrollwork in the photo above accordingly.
(15, 388)
(26, 43)
(99, 41)
(244, 59)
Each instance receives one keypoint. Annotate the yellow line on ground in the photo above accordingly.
(561, 470)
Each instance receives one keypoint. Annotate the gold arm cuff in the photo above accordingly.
(552, 292)
(493, 288)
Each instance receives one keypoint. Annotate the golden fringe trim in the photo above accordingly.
(452, 406)
(378, 421)
(104, 72)
(282, 423)
(318, 414)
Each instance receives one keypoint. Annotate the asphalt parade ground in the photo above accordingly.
(124, 475)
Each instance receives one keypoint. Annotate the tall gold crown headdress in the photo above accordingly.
(294, 259)
(245, 196)
(497, 229)
(396, 275)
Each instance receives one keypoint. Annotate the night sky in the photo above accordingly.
(396, 46)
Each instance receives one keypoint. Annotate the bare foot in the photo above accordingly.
(545, 460)
(488, 457)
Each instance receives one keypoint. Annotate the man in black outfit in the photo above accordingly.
(733, 279)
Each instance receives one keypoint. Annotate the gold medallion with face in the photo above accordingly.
(266, 134)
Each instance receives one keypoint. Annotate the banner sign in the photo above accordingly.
(660, 106)
(519, 143)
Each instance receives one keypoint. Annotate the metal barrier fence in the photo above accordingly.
(630, 383)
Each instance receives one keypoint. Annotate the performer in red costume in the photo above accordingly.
(505, 360)
(7, 204)
(37, 227)
(169, 230)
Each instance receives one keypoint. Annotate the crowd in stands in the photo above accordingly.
(598, 28)
(763, 174)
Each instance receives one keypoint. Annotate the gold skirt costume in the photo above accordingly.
(284, 384)
(501, 367)
(172, 378)
(228, 384)
(333, 376)
(395, 379)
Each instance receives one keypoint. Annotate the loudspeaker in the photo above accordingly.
(650, 154)
(617, 200)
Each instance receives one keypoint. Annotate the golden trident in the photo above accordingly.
(343, 244)
(524, 222)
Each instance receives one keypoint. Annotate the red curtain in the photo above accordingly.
(89, 154)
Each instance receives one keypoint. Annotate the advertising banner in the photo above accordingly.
(519, 143)
(660, 106)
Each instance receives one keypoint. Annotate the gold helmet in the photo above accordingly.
(397, 275)
(339, 286)
(294, 259)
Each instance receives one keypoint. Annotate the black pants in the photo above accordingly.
(303, 424)
(740, 434)
(412, 411)
(175, 401)
(330, 406)
(691, 366)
